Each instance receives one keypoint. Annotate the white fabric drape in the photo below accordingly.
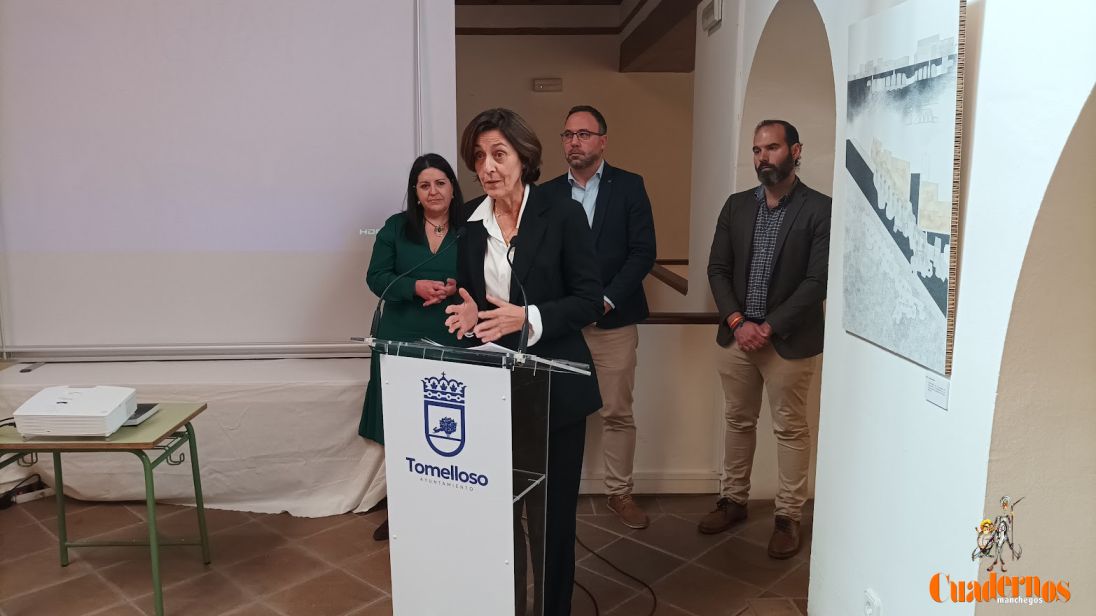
(279, 435)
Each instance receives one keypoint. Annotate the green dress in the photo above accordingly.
(404, 316)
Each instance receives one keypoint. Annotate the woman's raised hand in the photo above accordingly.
(505, 319)
(463, 316)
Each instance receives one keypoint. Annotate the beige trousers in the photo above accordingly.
(614, 353)
(787, 381)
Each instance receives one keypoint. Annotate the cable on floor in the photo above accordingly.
(597, 611)
(654, 597)
(597, 608)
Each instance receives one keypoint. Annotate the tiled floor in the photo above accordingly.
(280, 565)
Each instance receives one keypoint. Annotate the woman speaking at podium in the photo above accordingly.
(546, 236)
(414, 304)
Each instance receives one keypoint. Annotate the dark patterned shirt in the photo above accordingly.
(766, 228)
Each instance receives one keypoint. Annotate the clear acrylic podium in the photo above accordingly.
(466, 442)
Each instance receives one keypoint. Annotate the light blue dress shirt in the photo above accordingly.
(587, 195)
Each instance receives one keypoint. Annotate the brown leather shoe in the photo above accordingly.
(626, 508)
(727, 513)
(785, 540)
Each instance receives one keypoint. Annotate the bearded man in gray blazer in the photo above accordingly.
(768, 270)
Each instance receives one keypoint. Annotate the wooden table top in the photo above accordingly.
(171, 417)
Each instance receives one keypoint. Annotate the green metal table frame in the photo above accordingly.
(168, 443)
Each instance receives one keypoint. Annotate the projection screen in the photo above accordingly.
(207, 173)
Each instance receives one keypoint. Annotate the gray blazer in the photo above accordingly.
(800, 267)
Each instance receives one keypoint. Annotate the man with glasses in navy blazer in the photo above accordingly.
(619, 213)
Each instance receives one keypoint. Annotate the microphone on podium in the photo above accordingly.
(379, 310)
(523, 338)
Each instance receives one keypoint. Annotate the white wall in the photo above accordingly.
(791, 79)
(1044, 424)
(719, 79)
(900, 483)
(1020, 111)
(437, 79)
(198, 173)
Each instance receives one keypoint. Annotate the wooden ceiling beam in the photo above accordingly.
(663, 42)
(537, 2)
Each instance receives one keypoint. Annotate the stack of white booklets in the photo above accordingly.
(76, 411)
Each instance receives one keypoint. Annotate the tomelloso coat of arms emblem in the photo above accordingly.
(443, 414)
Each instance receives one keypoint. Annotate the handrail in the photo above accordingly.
(675, 281)
(682, 318)
(680, 284)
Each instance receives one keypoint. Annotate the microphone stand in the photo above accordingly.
(523, 337)
(379, 310)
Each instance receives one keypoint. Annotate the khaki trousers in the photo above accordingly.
(787, 381)
(614, 353)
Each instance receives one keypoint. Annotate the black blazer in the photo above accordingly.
(624, 242)
(554, 260)
(800, 267)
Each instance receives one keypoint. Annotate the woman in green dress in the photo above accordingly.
(415, 304)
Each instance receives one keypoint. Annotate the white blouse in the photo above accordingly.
(496, 269)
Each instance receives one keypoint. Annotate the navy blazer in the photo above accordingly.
(624, 242)
(797, 287)
(554, 260)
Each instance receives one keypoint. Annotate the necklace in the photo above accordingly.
(438, 229)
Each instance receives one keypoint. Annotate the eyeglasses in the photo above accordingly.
(583, 135)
